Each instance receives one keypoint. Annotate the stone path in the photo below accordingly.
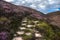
(27, 28)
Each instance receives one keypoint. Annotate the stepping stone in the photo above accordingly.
(20, 32)
(18, 38)
(24, 21)
(22, 28)
(29, 26)
(36, 21)
(23, 24)
(28, 33)
(38, 35)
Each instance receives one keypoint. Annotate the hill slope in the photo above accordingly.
(10, 9)
(11, 17)
(54, 18)
(12, 21)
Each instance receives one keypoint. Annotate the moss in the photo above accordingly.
(27, 37)
(3, 19)
(46, 30)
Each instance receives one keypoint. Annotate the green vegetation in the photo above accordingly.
(3, 19)
(48, 31)
(43, 27)
(26, 37)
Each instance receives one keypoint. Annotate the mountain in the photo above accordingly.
(54, 18)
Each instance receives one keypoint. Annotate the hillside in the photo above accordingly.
(54, 18)
(11, 17)
(23, 23)
(10, 9)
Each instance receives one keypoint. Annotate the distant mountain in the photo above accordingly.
(54, 18)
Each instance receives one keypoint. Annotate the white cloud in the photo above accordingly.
(51, 2)
(9, 0)
(41, 5)
(57, 9)
(33, 6)
(17, 3)
(23, 2)
(30, 1)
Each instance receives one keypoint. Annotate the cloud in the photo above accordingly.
(9, 0)
(44, 6)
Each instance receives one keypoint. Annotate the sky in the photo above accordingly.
(44, 6)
